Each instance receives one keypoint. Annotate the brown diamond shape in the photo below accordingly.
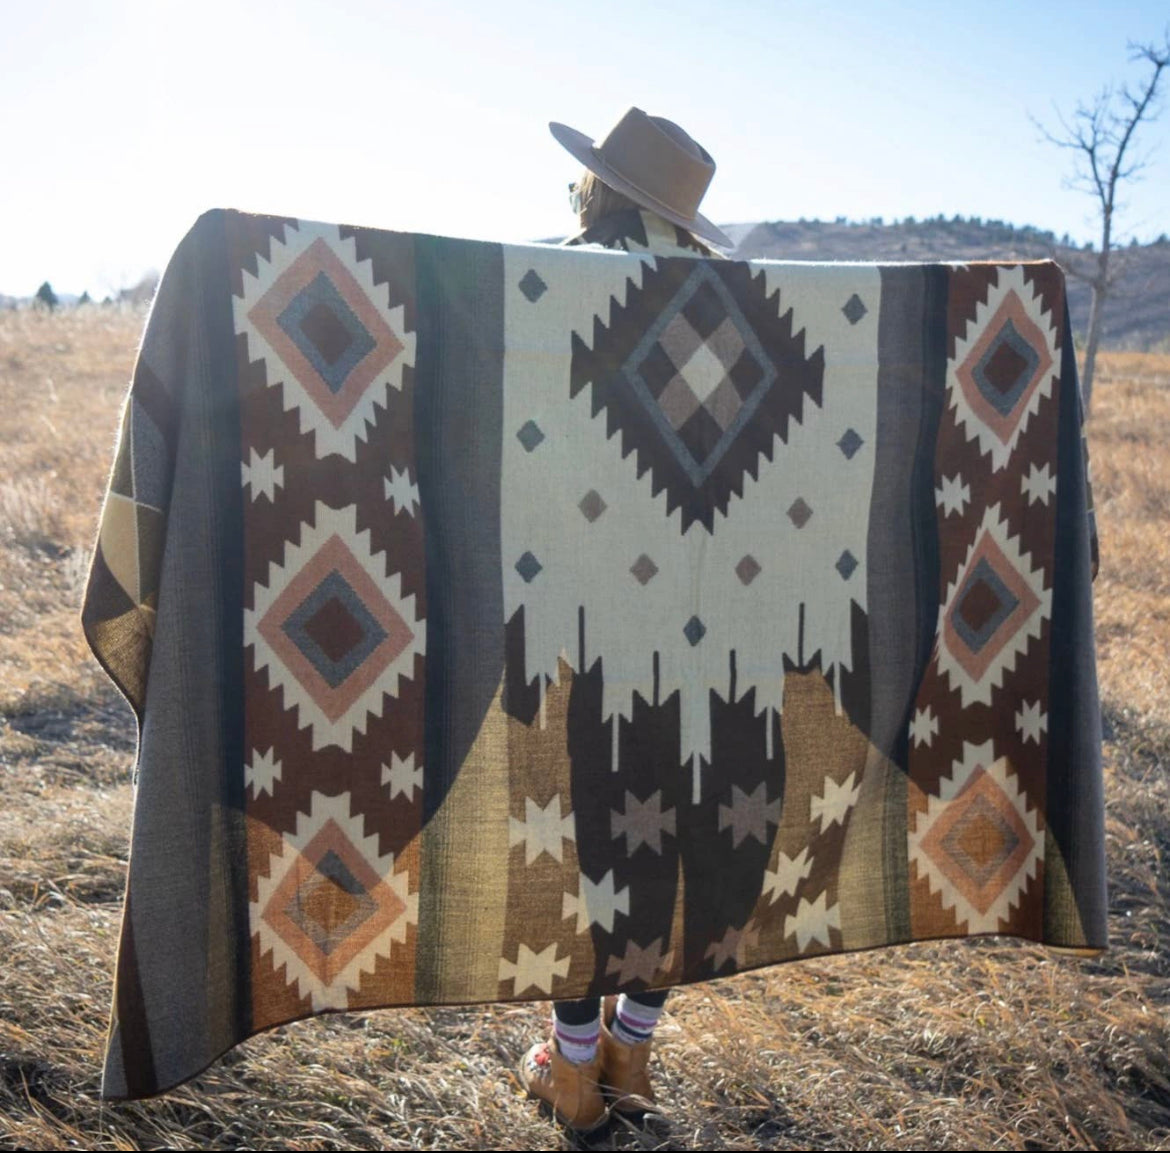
(591, 505)
(748, 569)
(330, 337)
(799, 512)
(644, 569)
(333, 627)
(1005, 367)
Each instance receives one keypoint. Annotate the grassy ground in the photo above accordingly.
(988, 1043)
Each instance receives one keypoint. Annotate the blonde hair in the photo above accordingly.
(598, 200)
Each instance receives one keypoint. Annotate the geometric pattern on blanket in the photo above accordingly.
(1004, 364)
(979, 842)
(333, 629)
(995, 606)
(976, 837)
(331, 904)
(499, 656)
(326, 333)
(693, 393)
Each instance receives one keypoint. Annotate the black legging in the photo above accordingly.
(589, 1008)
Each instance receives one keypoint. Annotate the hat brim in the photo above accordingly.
(583, 148)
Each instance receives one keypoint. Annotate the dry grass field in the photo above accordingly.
(984, 1044)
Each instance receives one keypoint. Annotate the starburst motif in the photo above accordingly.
(1038, 485)
(596, 903)
(833, 806)
(924, 726)
(543, 830)
(638, 963)
(642, 822)
(403, 776)
(262, 772)
(952, 495)
(789, 872)
(1031, 722)
(749, 814)
(812, 922)
(534, 970)
(401, 491)
(263, 476)
(734, 945)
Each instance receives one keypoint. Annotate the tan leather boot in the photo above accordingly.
(624, 1077)
(572, 1090)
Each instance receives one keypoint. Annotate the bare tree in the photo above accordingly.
(1100, 135)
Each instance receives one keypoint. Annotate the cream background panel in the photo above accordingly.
(588, 564)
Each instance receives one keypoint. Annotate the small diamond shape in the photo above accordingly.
(694, 630)
(591, 505)
(850, 443)
(528, 566)
(532, 286)
(854, 309)
(846, 563)
(530, 435)
(748, 569)
(799, 512)
(644, 569)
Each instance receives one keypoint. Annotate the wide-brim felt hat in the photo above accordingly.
(653, 162)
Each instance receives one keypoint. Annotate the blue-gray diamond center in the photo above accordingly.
(1006, 369)
(330, 904)
(326, 331)
(334, 629)
(982, 605)
(754, 372)
(981, 841)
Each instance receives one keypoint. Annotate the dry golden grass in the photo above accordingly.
(987, 1043)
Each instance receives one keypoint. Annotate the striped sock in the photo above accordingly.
(634, 1023)
(577, 1043)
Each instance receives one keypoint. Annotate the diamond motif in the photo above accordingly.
(532, 286)
(799, 512)
(992, 610)
(329, 904)
(1003, 365)
(748, 569)
(983, 604)
(682, 372)
(644, 569)
(694, 630)
(326, 333)
(846, 563)
(529, 434)
(333, 629)
(591, 505)
(706, 344)
(978, 843)
(854, 309)
(528, 566)
(850, 442)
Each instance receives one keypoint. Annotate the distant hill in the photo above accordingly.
(1137, 316)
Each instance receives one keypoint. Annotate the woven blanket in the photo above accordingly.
(509, 622)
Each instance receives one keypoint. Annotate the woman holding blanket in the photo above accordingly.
(640, 192)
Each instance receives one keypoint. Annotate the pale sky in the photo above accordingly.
(123, 120)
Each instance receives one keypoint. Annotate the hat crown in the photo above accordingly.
(659, 159)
